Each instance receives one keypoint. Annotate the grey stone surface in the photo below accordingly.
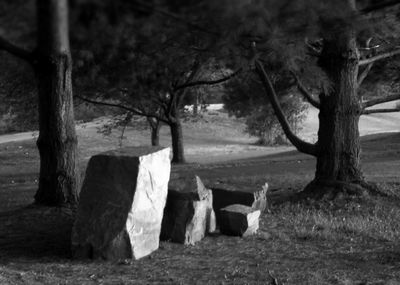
(239, 220)
(188, 215)
(121, 204)
(225, 194)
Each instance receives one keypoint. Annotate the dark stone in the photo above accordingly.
(225, 194)
(188, 214)
(239, 220)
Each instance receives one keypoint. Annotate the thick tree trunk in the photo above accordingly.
(59, 173)
(338, 159)
(178, 155)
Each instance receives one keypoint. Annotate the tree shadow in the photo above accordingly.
(36, 232)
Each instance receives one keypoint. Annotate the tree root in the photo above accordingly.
(334, 189)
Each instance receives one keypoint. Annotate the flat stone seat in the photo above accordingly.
(225, 194)
(122, 203)
(239, 220)
(188, 214)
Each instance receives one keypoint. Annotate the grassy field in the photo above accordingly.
(346, 241)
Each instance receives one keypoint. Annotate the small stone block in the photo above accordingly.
(239, 220)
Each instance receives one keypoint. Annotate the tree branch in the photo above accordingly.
(364, 73)
(16, 51)
(178, 93)
(380, 100)
(379, 57)
(301, 145)
(379, 6)
(368, 68)
(123, 107)
(306, 94)
(208, 82)
(375, 111)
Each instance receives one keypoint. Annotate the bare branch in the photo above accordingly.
(306, 94)
(379, 57)
(123, 107)
(375, 111)
(368, 68)
(379, 100)
(16, 51)
(364, 73)
(208, 82)
(301, 145)
(379, 6)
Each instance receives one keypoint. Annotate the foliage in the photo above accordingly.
(246, 98)
(18, 94)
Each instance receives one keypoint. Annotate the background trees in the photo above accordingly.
(145, 58)
(244, 97)
(164, 58)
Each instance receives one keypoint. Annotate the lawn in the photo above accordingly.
(345, 241)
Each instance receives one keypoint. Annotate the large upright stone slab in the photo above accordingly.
(188, 215)
(122, 203)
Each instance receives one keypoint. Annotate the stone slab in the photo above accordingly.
(122, 203)
(188, 215)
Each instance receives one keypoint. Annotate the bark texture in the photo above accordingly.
(178, 155)
(338, 159)
(155, 136)
(59, 173)
(155, 131)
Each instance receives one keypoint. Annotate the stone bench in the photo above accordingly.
(122, 203)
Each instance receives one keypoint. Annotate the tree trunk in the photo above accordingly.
(57, 143)
(178, 155)
(338, 158)
(196, 105)
(155, 136)
(155, 131)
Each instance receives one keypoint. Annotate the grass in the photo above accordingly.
(346, 241)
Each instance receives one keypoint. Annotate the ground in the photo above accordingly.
(346, 241)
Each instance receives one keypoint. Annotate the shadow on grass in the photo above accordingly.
(35, 232)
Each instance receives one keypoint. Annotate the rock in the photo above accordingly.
(225, 194)
(239, 220)
(121, 204)
(188, 215)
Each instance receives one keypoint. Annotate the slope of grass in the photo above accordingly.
(346, 241)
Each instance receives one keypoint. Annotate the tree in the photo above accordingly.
(244, 97)
(164, 60)
(338, 147)
(59, 177)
